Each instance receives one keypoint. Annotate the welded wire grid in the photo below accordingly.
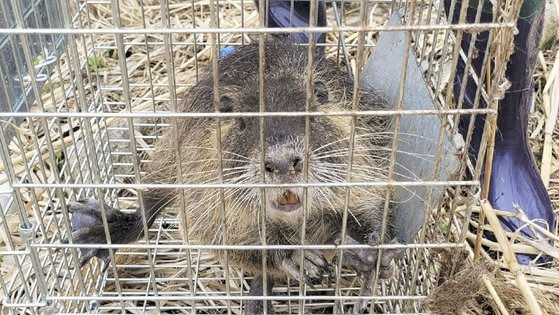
(112, 90)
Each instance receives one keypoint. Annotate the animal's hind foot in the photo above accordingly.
(88, 228)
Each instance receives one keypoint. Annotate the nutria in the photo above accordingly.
(284, 158)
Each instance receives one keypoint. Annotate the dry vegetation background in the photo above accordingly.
(147, 62)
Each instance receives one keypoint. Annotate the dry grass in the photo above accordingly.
(148, 60)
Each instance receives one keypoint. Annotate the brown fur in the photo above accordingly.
(286, 65)
(189, 153)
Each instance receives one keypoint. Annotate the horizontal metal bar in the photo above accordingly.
(206, 43)
(479, 27)
(207, 3)
(13, 252)
(249, 247)
(234, 298)
(23, 305)
(111, 88)
(167, 114)
(255, 185)
(143, 309)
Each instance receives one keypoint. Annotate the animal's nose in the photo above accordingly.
(284, 165)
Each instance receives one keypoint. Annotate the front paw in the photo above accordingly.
(388, 259)
(88, 228)
(364, 261)
(315, 266)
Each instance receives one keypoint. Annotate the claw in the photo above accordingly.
(107, 262)
(87, 254)
(315, 266)
(308, 282)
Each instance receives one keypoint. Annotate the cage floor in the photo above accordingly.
(193, 280)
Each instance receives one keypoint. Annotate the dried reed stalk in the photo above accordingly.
(510, 258)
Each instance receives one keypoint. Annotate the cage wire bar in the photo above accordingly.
(99, 82)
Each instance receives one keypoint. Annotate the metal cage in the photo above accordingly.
(99, 79)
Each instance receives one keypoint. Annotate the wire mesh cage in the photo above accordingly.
(103, 82)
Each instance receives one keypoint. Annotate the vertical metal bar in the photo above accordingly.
(7, 297)
(431, 59)
(426, 36)
(420, 10)
(87, 174)
(355, 108)
(216, 93)
(308, 105)
(242, 21)
(168, 42)
(262, 13)
(341, 39)
(291, 12)
(447, 33)
(195, 42)
(63, 104)
(148, 59)
(457, 48)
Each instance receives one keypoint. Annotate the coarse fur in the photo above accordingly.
(189, 153)
(285, 91)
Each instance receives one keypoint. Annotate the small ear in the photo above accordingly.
(226, 104)
(320, 92)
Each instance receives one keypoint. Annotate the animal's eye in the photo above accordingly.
(242, 124)
(226, 104)
(320, 92)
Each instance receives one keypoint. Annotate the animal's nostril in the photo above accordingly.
(269, 167)
(297, 162)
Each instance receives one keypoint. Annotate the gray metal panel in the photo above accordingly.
(417, 145)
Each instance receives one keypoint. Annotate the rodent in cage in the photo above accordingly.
(93, 127)
(232, 216)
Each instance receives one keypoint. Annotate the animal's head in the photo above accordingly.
(287, 149)
(280, 141)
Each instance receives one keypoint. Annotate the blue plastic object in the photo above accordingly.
(515, 179)
(295, 14)
(226, 51)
